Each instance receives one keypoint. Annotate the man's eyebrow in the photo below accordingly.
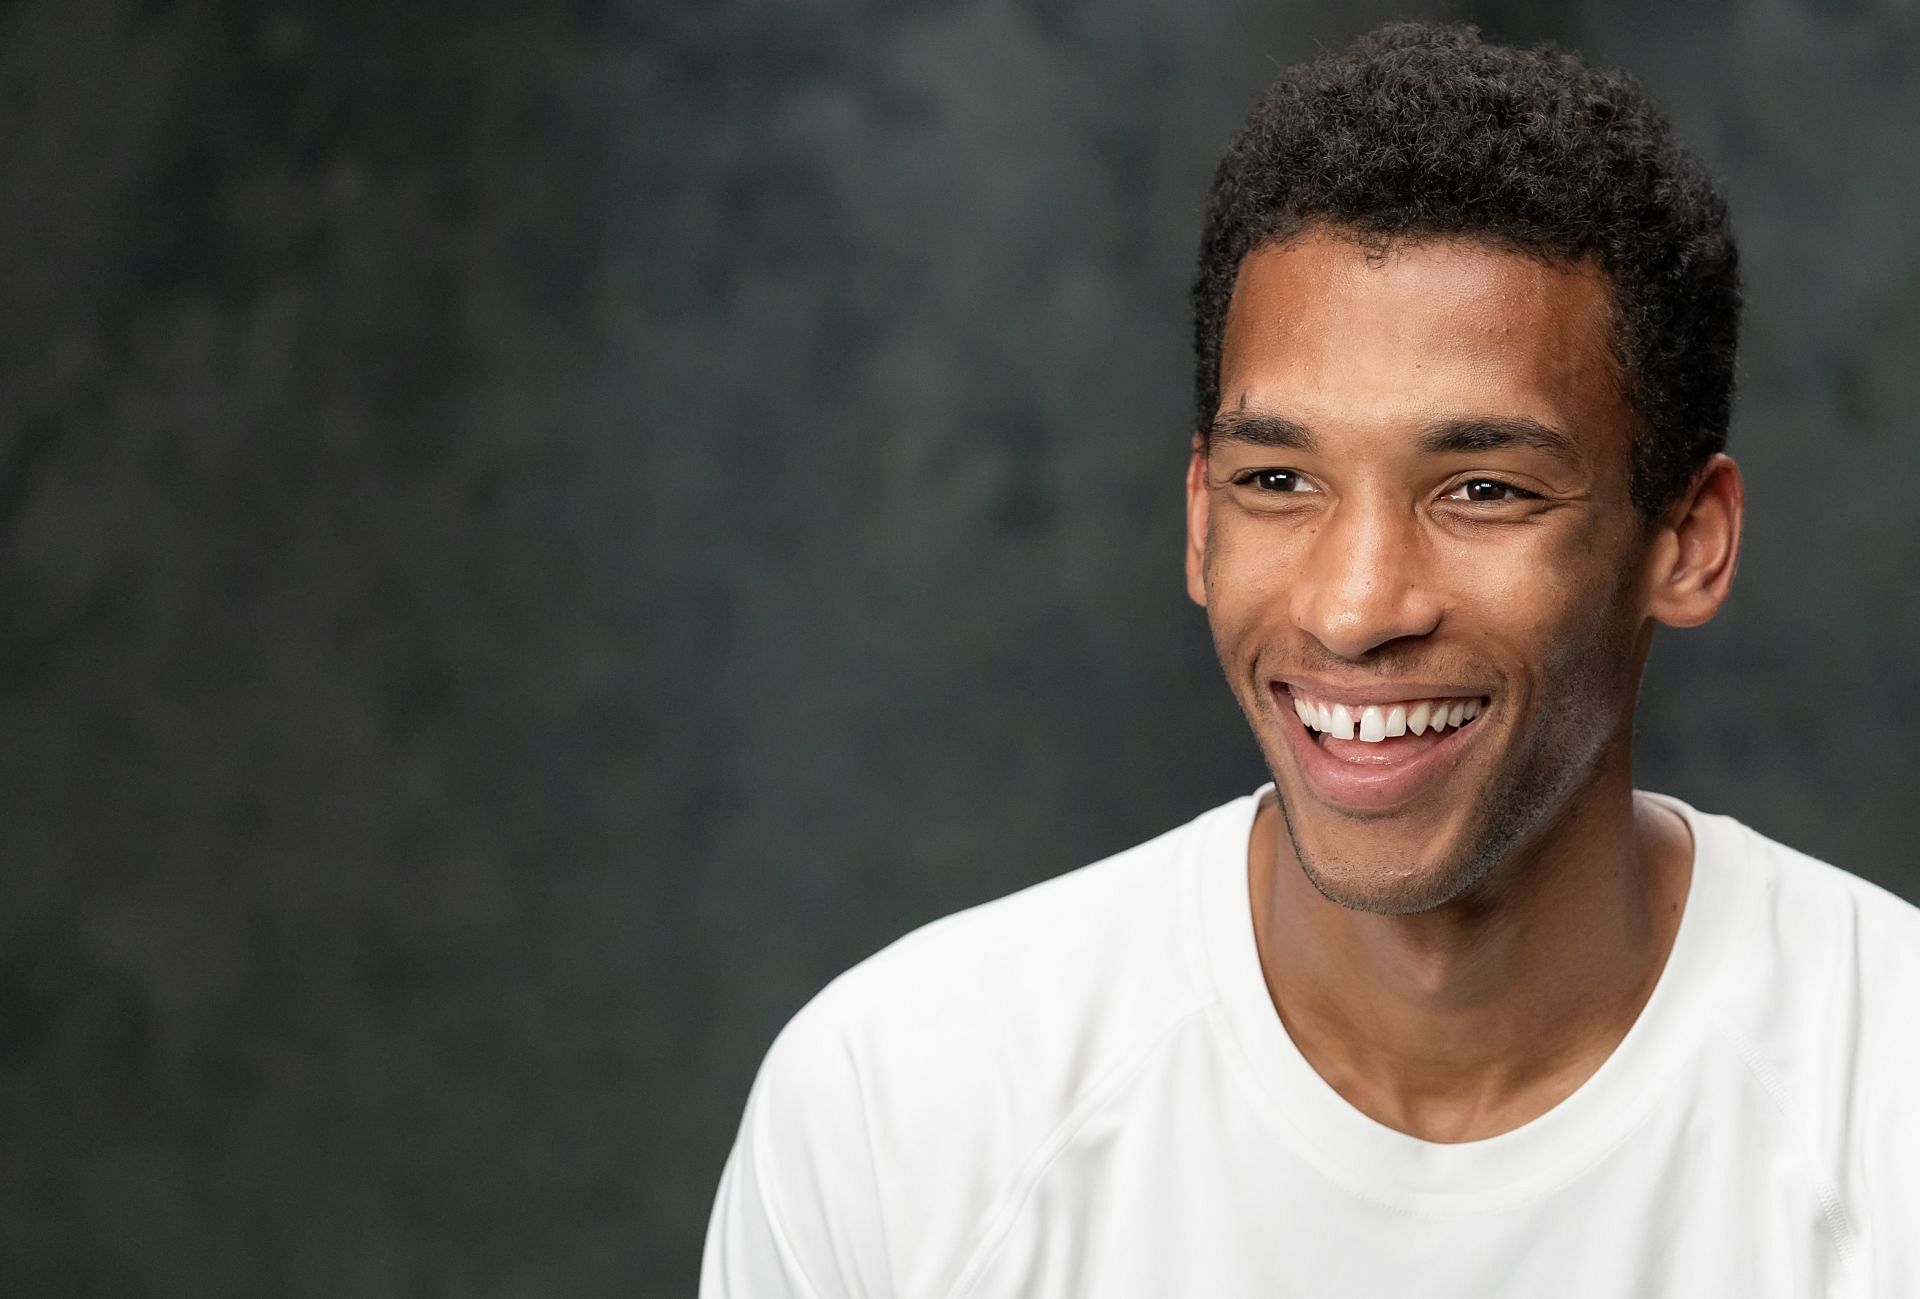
(1493, 433)
(1261, 431)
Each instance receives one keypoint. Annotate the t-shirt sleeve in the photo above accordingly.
(1892, 1129)
(1894, 1184)
(798, 1212)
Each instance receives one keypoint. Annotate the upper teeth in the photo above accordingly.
(1376, 722)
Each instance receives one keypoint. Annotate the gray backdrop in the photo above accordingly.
(533, 535)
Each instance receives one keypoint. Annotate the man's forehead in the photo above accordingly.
(1422, 332)
(1326, 277)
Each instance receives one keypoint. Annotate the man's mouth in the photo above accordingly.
(1375, 723)
(1373, 755)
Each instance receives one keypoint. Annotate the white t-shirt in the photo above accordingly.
(1084, 1090)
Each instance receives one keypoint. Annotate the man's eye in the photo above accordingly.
(1490, 489)
(1275, 480)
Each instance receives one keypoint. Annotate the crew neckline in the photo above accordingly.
(1382, 1163)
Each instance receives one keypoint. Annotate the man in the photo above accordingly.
(1449, 1008)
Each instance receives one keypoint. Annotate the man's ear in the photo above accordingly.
(1197, 522)
(1695, 551)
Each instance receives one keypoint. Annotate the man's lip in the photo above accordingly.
(1374, 692)
(1373, 786)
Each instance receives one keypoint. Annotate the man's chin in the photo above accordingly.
(1382, 865)
(1386, 890)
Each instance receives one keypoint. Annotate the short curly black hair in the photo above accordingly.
(1418, 131)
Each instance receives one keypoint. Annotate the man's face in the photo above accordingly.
(1413, 515)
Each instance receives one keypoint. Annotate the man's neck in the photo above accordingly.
(1472, 1019)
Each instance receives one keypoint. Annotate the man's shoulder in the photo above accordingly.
(1105, 945)
(1822, 994)
(1848, 947)
(933, 1073)
(1821, 1005)
(1818, 912)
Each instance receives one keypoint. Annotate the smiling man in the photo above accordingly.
(1448, 1008)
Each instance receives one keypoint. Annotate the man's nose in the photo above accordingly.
(1367, 580)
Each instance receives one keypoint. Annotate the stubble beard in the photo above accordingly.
(1525, 800)
(1530, 792)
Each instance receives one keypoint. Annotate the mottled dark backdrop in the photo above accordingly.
(532, 535)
